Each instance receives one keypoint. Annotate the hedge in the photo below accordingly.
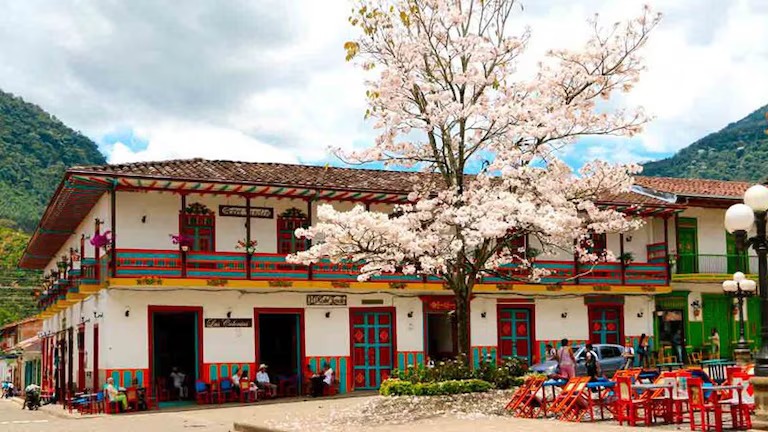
(396, 387)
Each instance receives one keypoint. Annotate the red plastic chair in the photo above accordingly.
(739, 409)
(699, 405)
(629, 407)
(162, 390)
(245, 391)
(110, 407)
(215, 392)
(333, 388)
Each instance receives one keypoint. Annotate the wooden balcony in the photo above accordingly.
(711, 267)
(227, 265)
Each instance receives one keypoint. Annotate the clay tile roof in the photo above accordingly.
(296, 175)
(695, 187)
(265, 173)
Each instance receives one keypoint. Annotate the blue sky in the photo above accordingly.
(266, 80)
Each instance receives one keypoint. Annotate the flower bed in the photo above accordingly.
(505, 375)
(396, 387)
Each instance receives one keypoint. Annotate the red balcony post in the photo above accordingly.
(621, 259)
(248, 236)
(666, 248)
(182, 232)
(309, 219)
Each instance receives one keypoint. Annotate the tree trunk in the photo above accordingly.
(462, 324)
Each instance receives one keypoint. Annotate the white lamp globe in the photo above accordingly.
(748, 285)
(739, 217)
(756, 197)
(739, 276)
(729, 286)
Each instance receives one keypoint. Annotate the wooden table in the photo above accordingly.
(669, 366)
(666, 400)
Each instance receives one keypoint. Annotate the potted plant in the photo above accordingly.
(103, 240)
(183, 241)
(626, 257)
(248, 246)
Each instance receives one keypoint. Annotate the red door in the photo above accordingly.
(95, 376)
(515, 333)
(372, 347)
(605, 325)
(81, 358)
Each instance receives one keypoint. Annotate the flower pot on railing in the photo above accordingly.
(183, 241)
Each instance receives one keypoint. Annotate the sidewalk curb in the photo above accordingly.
(55, 411)
(246, 427)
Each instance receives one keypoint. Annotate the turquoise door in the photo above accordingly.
(372, 348)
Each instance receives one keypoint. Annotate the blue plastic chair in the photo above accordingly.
(202, 394)
(226, 390)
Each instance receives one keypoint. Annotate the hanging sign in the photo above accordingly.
(228, 322)
(326, 300)
(241, 211)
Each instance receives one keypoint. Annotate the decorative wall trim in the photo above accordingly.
(124, 377)
(340, 365)
(409, 358)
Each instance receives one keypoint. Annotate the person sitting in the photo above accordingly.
(115, 396)
(327, 376)
(263, 381)
(236, 378)
(316, 381)
(178, 382)
(551, 353)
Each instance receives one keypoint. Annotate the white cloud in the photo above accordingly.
(266, 80)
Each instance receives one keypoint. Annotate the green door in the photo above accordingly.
(688, 248)
(737, 261)
(717, 312)
(752, 326)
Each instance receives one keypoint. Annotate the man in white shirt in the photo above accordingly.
(178, 382)
(263, 381)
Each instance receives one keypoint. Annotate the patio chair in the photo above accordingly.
(215, 392)
(225, 391)
(110, 407)
(519, 394)
(202, 394)
(735, 402)
(579, 404)
(566, 392)
(698, 404)
(662, 400)
(628, 407)
(532, 403)
(245, 391)
(161, 389)
(132, 395)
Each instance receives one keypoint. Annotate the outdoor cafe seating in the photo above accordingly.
(638, 397)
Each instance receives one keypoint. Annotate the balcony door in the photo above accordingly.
(688, 247)
(199, 223)
(737, 260)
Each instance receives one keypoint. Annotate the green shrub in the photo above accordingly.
(396, 387)
(503, 375)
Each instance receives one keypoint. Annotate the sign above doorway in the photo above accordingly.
(228, 322)
(326, 300)
(241, 211)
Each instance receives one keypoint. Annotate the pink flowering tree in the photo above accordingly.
(447, 94)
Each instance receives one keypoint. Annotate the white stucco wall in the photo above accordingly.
(483, 331)
(100, 210)
(711, 231)
(635, 325)
(410, 330)
(551, 326)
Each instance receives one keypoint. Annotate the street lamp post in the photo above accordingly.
(741, 288)
(739, 220)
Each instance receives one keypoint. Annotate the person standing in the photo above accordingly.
(677, 345)
(642, 350)
(591, 363)
(714, 340)
(566, 361)
(551, 353)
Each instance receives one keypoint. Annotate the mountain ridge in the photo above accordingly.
(738, 151)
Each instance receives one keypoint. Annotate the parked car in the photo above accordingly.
(609, 356)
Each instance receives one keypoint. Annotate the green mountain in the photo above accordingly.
(737, 152)
(35, 150)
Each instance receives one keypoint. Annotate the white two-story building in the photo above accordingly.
(135, 305)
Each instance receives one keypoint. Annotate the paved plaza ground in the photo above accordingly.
(310, 415)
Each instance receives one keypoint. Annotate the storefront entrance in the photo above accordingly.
(516, 332)
(280, 343)
(440, 328)
(605, 324)
(373, 345)
(175, 342)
